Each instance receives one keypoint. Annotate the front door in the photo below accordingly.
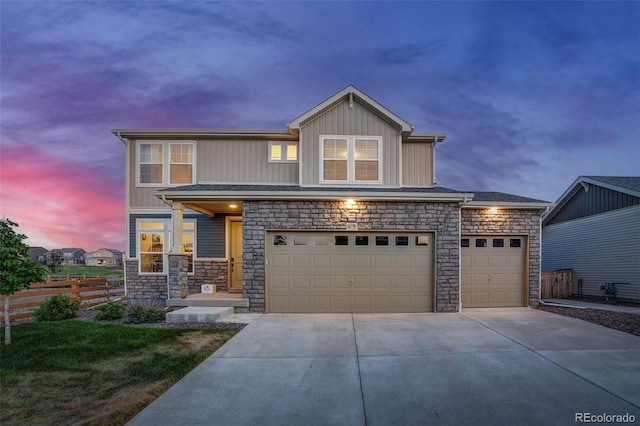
(235, 248)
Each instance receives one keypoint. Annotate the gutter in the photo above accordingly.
(119, 136)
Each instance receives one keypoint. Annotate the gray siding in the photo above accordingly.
(417, 164)
(210, 238)
(241, 161)
(599, 248)
(356, 121)
(596, 200)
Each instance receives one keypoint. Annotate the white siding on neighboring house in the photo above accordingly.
(601, 248)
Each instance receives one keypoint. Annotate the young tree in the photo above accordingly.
(17, 270)
(54, 261)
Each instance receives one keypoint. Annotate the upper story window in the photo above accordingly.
(350, 159)
(283, 152)
(166, 163)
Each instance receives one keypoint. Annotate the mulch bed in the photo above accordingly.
(629, 323)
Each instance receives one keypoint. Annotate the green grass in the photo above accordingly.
(91, 271)
(81, 372)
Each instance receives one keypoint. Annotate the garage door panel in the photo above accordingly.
(314, 272)
(493, 272)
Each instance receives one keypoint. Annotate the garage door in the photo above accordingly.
(349, 272)
(493, 271)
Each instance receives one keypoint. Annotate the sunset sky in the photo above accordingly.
(530, 94)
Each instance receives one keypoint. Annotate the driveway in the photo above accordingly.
(481, 367)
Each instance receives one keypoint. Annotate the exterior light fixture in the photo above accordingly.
(493, 210)
(350, 202)
(233, 206)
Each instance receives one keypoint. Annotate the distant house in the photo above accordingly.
(104, 257)
(38, 254)
(340, 212)
(595, 231)
(73, 256)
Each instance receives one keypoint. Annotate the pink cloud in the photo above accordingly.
(60, 203)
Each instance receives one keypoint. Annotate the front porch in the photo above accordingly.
(221, 299)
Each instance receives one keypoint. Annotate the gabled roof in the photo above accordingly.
(629, 185)
(71, 250)
(349, 92)
(501, 199)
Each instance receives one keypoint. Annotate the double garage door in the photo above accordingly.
(493, 271)
(350, 272)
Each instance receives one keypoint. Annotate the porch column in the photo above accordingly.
(177, 211)
(178, 259)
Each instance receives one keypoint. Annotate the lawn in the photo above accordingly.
(81, 372)
(91, 271)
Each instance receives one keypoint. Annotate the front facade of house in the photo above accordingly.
(594, 230)
(339, 213)
(104, 257)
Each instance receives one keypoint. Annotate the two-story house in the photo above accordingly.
(104, 257)
(340, 212)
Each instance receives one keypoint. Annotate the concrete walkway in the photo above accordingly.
(600, 306)
(514, 366)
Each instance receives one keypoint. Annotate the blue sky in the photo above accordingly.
(530, 94)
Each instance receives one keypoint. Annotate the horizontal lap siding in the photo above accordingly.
(342, 120)
(600, 248)
(239, 161)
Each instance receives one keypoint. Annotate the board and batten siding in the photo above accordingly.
(599, 249)
(241, 161)
(417, 164)
(340, 119)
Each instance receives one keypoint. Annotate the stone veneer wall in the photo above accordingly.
(520, 222)
(147, 288)
(443, 218)
(154, 287)
(209, 272)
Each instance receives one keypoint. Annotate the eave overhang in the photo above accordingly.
(507, 205)
(204, 134)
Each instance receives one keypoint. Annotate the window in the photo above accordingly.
(300, 240)
(283, 152)
(481, 242)
(382, 240)
(498, 242)
(362, 240)
(165, 163)
(514, 242)
(350, 159)
(464, 242)
(279, 240)
(154, 238)
(402, 241)
(422, 240)
(342, 240)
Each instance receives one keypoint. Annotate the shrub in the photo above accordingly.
(110, 311)
(57, 308)
(140, 314)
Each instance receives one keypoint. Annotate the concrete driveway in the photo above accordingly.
(481, 367)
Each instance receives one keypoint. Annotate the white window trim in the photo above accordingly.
(351, 181)
(167, 231)
(166, 162)
(283, 146)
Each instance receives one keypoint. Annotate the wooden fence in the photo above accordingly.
(556, 284)
(91, 291)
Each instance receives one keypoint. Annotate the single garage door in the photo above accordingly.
(493, 271)
(350, 272)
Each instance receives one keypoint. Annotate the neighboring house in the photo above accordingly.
(104, 257)
(594, 229)
(38, 254)
(340, 212)
(72, 256)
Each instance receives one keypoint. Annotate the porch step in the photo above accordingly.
(226, 302)
(198, 314)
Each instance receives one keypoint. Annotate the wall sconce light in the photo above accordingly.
(233, 206)
(350, 203)
(493, 210)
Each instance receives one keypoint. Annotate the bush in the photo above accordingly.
(110, 311)
(57, 308)
(140, 314)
